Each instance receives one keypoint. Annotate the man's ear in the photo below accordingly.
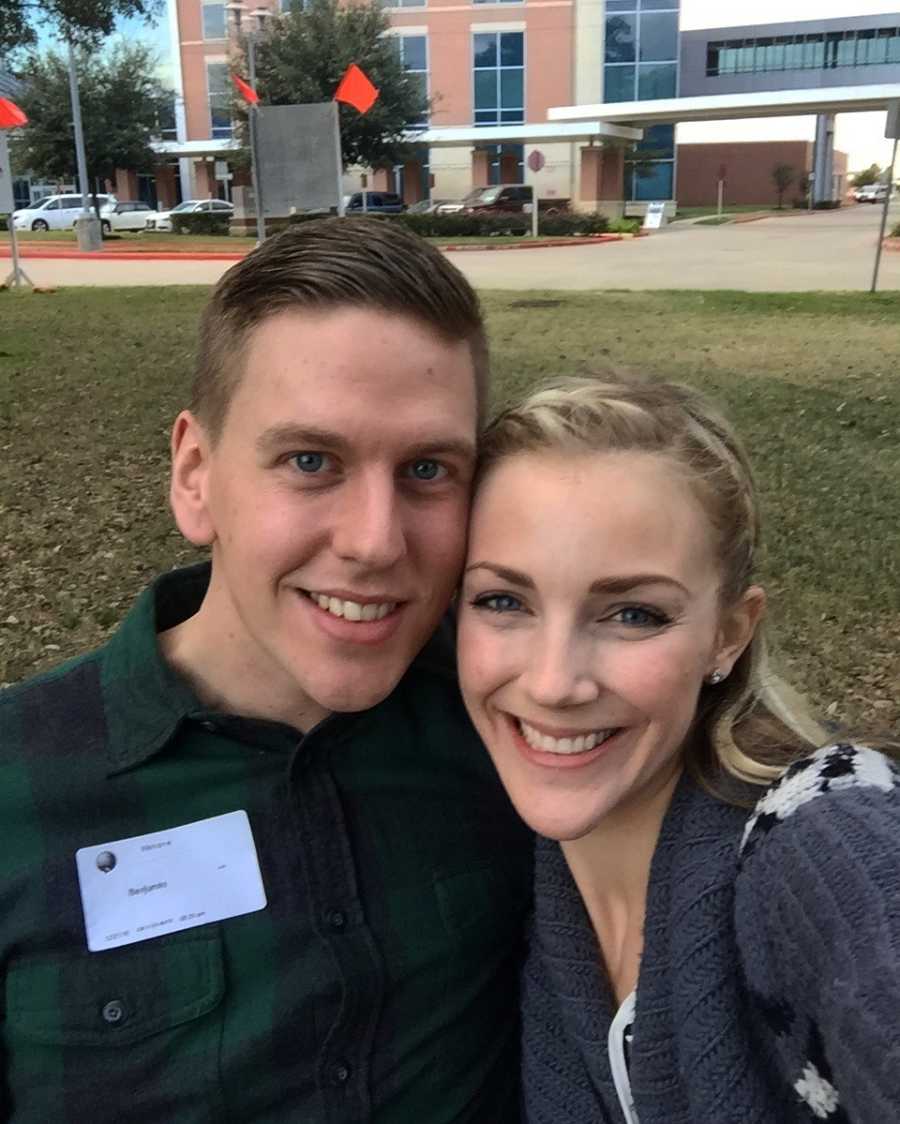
(739, 622)
(188, 491)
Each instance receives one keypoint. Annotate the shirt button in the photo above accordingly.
(340, 1073)
(113, 1011)
(337, 919)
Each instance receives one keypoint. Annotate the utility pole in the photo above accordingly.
(237, 9)
(87, 226)
(891, 130)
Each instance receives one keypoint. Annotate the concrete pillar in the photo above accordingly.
(126, 186)
(823, 159)
(481, 167)
(602, 181)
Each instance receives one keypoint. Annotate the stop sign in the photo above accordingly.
(536, 160)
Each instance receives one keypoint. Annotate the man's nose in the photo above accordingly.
(369, 526)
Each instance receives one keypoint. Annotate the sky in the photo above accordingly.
(860, 135)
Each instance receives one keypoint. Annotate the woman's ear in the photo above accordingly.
(739, 623)
(188, 488)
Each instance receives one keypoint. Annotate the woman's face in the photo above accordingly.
(589, 617)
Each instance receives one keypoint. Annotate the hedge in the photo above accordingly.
(4, 224)
(895, 233)
(486, 226)
(201, 222)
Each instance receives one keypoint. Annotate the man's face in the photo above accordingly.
(336, 500)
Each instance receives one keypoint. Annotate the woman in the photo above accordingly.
(716, 936)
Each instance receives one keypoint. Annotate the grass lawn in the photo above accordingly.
(91, 378)
(735, 209)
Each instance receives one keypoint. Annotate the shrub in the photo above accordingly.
(487, 225)
(4, 224)
(895, 233)
(827, 205)
(201, 222)
(624, 226)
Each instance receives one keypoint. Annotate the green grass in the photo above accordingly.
(733, 209)
(91, 378)
(714, 220)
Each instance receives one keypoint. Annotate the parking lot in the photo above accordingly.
(828, 250)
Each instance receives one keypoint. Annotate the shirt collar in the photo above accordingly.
(144, 699)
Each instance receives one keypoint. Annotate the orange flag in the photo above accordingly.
(245, 90)
(356, 89)
(10, 115)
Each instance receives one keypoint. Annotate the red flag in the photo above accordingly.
(356, 89)
(245, 90)
(11, 115)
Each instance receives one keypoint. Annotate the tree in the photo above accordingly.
(80, 20)
(121, 104)
(302, 55)
(872, 174)
(782, 177)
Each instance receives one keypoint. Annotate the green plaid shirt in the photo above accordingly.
(378, 984)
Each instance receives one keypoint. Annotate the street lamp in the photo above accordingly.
(86, 225)
(237, 9)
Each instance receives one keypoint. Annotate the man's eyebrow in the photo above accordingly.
(315, 437)
(604, 585)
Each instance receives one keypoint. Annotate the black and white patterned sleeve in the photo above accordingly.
(817, 917)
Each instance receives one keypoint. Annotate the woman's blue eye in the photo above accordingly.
(427, 470)
(309, 462)
(635, 615)
(498, 603)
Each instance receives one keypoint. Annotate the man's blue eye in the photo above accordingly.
(309, 462)
(427, 470)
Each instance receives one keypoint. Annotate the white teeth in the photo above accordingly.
(548, 744)
(353, 610)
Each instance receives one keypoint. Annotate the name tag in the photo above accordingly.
(149, 885)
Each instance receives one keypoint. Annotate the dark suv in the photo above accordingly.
(377, 203)
(510, 198)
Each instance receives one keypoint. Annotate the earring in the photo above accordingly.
(715, 677)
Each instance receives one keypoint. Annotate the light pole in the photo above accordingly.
(86, 225)
(237, 10)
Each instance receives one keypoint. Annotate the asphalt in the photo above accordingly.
(825, 250)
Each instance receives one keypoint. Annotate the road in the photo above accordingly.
(831, 250)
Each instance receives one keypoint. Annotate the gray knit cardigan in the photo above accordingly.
(769, 987)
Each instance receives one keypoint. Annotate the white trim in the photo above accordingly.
(449, 136)
(520, 25)
(724, 107)
(407, 29)
(193, 148)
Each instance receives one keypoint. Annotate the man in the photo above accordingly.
(257, 867)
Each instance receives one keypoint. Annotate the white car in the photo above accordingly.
(871, 193)
(163, 220)
(56, 212)
(130, 215)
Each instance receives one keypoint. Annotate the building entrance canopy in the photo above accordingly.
(538, 133)
(719, 107)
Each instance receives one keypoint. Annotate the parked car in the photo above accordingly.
(163, 219)
(458, 206)
(56, 212)
(428, 207)
(377, 203)
(871, 193)
(126, 215)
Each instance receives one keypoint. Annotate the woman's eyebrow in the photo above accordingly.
(622, 584)
(514, 577)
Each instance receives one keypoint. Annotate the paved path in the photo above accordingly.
(825, 250)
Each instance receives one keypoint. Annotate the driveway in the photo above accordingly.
(798, 251)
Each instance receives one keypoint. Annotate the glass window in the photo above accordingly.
(846, 50)
(894, 46)
(499, 77)
(413, 51)
(618, 83)
(794, 53)
(658, 140)
(219, 99)
(712, 61)
(214, 21)
(620, 38)
(621, 5)
(657, 80)
(485, 50)
(878, 47)
(652, 180)
(165, 121)
(405, 4)
(659, 36)
(659, 5)
(814, 52)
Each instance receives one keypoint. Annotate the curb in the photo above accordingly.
(216, 255)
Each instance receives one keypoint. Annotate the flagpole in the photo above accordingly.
(254, 152)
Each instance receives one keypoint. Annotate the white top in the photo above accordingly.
(620, 1035)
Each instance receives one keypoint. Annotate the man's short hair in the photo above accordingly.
(327, 264)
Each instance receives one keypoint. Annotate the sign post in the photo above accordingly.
(721, 190)
(8, 205)
(536, 161)
(891, 131)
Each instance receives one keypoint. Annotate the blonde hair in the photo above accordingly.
(750, 727)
